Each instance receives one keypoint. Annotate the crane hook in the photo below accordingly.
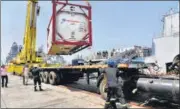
(38, 10)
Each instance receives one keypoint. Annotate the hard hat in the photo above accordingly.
(111, 63)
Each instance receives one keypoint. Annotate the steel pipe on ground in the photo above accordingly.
(166, 88)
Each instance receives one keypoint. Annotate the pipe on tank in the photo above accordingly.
(166, 88)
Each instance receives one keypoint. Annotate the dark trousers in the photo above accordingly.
(23, 80)
(6, 79)
(37, 80)
(117, 93)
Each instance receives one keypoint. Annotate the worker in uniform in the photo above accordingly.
(36, 77)
(4, 76)
(114, 88)
(26, 74)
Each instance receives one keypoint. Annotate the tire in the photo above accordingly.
(46, 77)
(102, 87)
(53, 78)
(41, 77)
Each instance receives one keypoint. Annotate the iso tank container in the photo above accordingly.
(69, 29)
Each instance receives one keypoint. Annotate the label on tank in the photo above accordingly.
(71, 26)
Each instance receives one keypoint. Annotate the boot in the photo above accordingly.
(123, 106)
(35, 89)
(26, 83)
(40, 88)
(106, 105)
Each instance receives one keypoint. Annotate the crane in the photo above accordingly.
(28, 53)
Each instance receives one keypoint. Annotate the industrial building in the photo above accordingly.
(165, 47)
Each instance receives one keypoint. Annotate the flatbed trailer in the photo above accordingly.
(72, 71)
(69, 74)
(133, 79)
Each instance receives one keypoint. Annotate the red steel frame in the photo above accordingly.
(53, 19)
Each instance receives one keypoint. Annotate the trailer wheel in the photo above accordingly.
(46, 77)
(53, 78)
(41, 76)
(103, 85)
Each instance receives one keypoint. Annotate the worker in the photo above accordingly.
(114, 88)
(26, 74)
(4, 75)
(36, 77)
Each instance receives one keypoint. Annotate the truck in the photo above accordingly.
(70, 31)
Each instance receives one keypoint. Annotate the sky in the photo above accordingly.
(115, 24)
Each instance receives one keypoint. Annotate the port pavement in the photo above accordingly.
(19, 96)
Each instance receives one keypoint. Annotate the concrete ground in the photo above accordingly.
(19, 96)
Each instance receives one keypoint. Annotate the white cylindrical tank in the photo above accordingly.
(69, 29)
